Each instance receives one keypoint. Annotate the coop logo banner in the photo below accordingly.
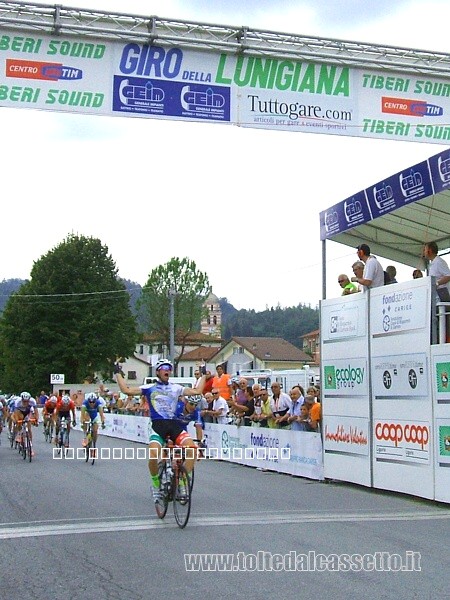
(403, 441)
(346, 377)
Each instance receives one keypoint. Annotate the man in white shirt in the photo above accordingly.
(219, 409)
(373, 275)
(438, 268)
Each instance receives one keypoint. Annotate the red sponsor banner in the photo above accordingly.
(410, 108)
(31, 69)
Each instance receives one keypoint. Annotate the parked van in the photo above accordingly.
(287, 378)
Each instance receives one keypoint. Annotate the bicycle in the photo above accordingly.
(62, 440)
(175, 485)
(91, 450)
(48, 430)
(24, 443)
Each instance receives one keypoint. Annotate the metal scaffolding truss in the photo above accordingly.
(61, 20)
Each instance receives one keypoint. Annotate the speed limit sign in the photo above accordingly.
(56, 378)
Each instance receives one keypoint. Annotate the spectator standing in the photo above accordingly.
(42, 398)
(220, 408)
(207, 418)
(280, 403)
(295, 410)
(315, 413)
(392, 274)
(358, 270)
(265, 409)
(373, 275)
(438, 268)
(208, 383)
(221, 383)
(347, 286)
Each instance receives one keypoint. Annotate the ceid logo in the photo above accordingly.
(45, 71)
(348, 377)
(398, 433)
(410, 108)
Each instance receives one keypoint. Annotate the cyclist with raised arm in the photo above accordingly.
(64, 406)
(162, 398)
(92, 410)
(25, 406)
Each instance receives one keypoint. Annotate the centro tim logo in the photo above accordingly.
(345, 378)
(44, 71)
(410, 108)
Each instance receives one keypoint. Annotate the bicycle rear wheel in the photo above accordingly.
(182, 497)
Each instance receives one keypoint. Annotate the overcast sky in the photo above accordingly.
(243, 203)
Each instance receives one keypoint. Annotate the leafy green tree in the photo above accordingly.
(72, 317)
(188, 287)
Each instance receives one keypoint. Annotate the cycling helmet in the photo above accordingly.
(25, 396)
(163, 361)
(92, 397)
(65, 399)
(53, 399)
(195, 400)
(2, 397)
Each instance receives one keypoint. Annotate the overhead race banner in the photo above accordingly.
(130, 79)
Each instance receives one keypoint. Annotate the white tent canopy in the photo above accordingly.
(395, 216)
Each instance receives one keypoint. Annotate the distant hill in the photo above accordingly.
(8, 287)
(289, 323)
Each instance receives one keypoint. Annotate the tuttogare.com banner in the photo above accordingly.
(76, 74)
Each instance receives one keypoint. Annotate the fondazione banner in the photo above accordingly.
(76, 74)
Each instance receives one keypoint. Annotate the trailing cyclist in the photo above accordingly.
(25, 406)
(162, 398)
(48, 410)
(64, 406)
(92, 410)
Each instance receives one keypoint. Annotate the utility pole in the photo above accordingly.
(172, 294)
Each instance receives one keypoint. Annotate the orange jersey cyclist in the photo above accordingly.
(162, 398)
(64, 407)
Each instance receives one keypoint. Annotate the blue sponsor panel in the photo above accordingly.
(404, 187)
(440, 171)
(347, 214)
(156, 97)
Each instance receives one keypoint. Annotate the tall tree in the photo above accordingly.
(72, 317)
(178, 281)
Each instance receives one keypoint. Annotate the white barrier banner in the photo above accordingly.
(294, 452)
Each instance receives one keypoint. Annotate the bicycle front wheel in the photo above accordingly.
(28, 446)
(182, 497)
(163, 502)
(93, 451)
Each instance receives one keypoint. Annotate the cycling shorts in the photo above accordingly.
(164, 428)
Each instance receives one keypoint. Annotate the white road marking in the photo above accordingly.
(42, 529)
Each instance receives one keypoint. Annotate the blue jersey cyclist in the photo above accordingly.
(92, 410)
(163, 398)
(187, 410)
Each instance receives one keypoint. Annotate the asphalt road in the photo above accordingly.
(70, 530)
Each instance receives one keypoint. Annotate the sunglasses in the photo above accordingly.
(165, 368)
(215, 393)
